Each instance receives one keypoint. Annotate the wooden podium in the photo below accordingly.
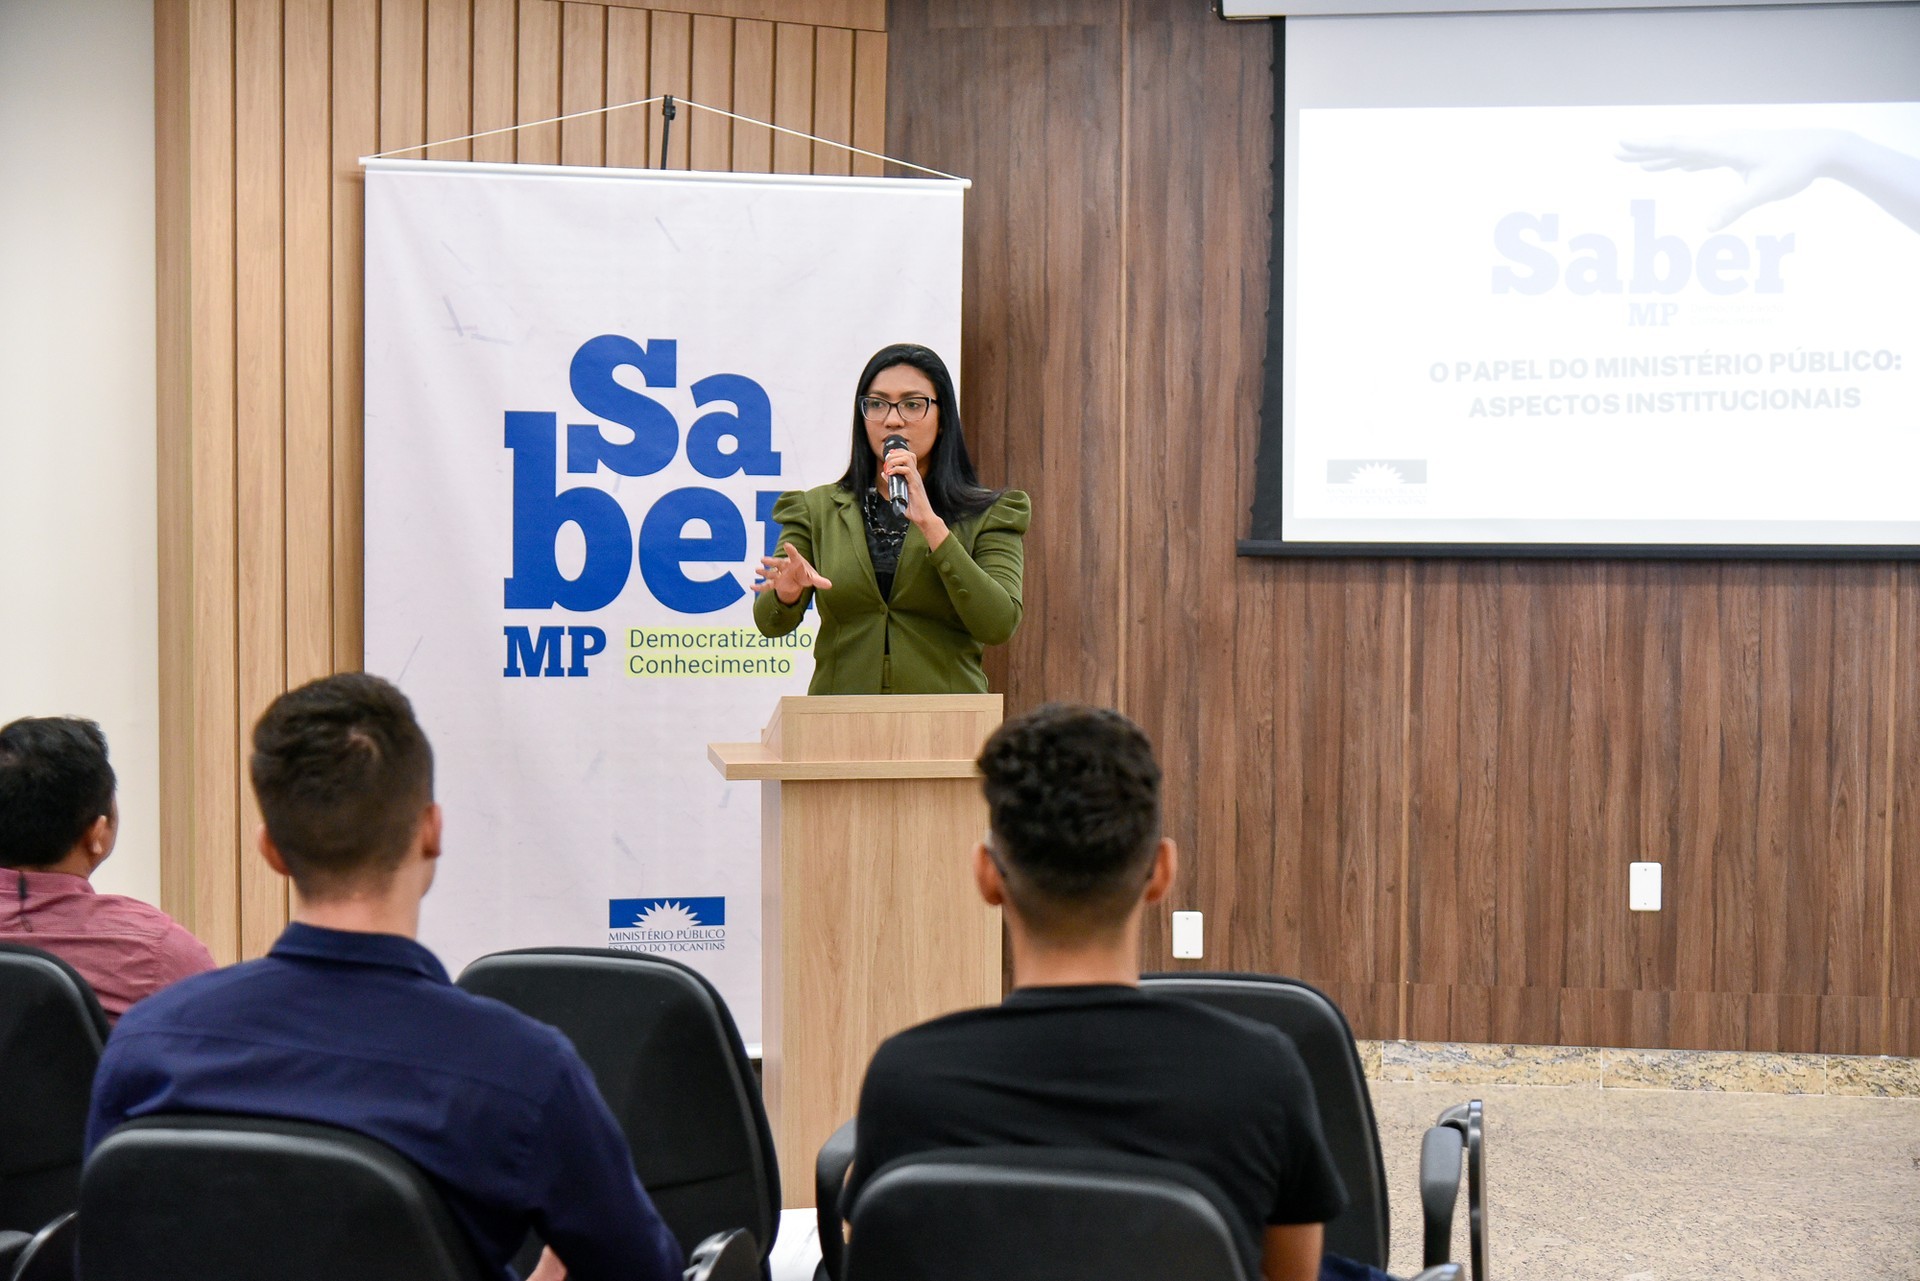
(870, 921)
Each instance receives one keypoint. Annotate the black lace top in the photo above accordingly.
(886, 535)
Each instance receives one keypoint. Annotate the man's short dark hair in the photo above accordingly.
(343, 773)
(55, 782)
(1073, 795)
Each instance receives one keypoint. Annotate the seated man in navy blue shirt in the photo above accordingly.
(350, 1022)
(1078, 1056)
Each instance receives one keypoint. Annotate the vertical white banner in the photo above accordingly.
(584, 389)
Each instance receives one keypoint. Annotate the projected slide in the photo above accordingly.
(1671, 325)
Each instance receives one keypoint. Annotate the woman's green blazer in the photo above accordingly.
(946, 606)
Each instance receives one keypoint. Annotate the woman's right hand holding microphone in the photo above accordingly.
(788, 577)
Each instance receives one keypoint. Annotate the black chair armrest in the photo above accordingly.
(1440, 1153)
(725, 1256)
(51, 1255)
(1444, 1272)
(12, 1245)
(1469, 1119)
(829, 1178)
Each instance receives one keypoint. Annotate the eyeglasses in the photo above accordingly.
(912, 408)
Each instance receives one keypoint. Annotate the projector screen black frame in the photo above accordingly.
(1574, 551)
(1270, 476)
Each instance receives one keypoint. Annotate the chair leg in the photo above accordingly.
(1469, 1119)
(1439, 1191)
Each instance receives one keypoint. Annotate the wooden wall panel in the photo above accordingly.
(583, 83)
(308, 341)
(1042, 393)
(859, 15)
(260, 431)
(1730, 722)
(869, 100)
(212, 523)
(627, 63)
(752, 94)
(710, 81)
(792, 96)
(496, 69)
(1332, 855)
(1899, 956)
(832, 98)
(402, 80)
(451, 78)
(356, 132)
(1417, 784)
(539, 83)
(670, 46)
(1185, 321)
(174, 492)
(263, 112)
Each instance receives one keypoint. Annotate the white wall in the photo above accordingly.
(78, 578)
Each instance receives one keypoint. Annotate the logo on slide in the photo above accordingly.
(667, 924)
(1376, 473)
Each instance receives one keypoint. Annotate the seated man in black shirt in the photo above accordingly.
(1078, 1056)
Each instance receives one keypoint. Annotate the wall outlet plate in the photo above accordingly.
(1643, 887)
(1187, 936)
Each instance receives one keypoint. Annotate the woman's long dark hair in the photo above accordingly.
(952, 487)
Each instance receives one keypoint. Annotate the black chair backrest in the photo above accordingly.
(669, 1062)
(1039, 1214)
(225, 1198)
(51, 1033)
(1325, 1042)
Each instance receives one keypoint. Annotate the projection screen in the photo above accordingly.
(1606, 282)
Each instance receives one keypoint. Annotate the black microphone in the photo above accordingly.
(896, 485)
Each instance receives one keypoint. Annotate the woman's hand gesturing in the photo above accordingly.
(788, 577)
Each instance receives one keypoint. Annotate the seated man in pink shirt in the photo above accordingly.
(58, 821)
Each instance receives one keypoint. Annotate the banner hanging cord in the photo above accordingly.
(531, 124)
(678, 102)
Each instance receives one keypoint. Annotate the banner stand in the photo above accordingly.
(585, 390)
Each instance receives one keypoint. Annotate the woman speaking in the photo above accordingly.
(908, 598)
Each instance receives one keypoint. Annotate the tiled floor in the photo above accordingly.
(1659, 1185)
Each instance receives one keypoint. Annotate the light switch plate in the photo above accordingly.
(1187, 935)
(1643, 887)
